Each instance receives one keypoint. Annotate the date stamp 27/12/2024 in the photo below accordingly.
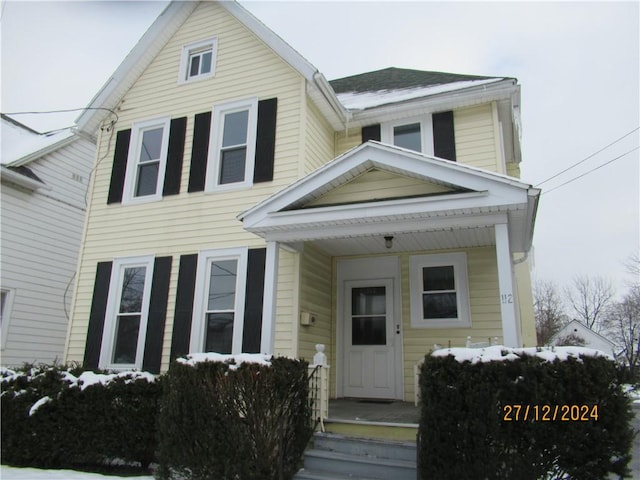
(549, 413)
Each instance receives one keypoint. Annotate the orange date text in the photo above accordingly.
(549, 413)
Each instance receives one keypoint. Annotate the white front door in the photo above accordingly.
(369, 332)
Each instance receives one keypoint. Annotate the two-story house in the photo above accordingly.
(44, 183)
(243, 203)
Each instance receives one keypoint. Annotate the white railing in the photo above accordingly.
(319, 387)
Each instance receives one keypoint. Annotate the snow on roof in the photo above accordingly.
(499, 353)
(19, 141)
(355, 100)
(234, 361)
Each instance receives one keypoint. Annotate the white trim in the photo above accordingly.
(508, 300)
(5, 317)
(426, 131)
(113, 303)
(133, 160)
(191, 48)
(459, 263)
(205, 258)
(212, 183)
(269, 303)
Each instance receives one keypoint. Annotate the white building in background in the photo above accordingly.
(44, 182)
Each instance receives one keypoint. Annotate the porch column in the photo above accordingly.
(510, 330)
(270, 295)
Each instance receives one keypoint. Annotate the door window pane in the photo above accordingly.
(408, 136)
(368, 316)
(369, 331)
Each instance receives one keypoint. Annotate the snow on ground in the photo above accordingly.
(502, 353)
(12, 473)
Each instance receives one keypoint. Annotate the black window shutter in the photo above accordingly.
(265, 140)
(444, 140)
(199, 151)
(97, 314)
(253, 300)
(371, 132)
(175, 152)
(119, 169)
(157, 315)
(184, 305)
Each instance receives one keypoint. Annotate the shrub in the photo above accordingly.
(227, 421)
(65, 417)
(470, 426)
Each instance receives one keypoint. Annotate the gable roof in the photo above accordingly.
(161, 31)
(475, 196)
(579, 328)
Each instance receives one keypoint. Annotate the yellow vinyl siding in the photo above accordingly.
(319, 148)
(315, 297)
(189, 222)
(346, 140)
(377, 185)
(475, 137)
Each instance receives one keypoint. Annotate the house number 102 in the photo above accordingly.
(506, 298)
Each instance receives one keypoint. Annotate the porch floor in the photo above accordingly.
(356, 410)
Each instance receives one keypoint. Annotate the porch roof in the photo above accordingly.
(469, 203)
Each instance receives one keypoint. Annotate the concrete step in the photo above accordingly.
(340, 457)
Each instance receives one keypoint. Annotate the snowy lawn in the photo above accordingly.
(12, 473)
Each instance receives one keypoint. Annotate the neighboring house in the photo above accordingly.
(243, 203)
(578, 330)
(44, 182)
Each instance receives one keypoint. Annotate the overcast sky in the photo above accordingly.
(577, 63)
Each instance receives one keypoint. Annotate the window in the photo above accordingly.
(147, 160)
(232, 149)
(198, 60)
(439, 291)
(127, 313)
(6, 299)
(414, 135)
(219, 301)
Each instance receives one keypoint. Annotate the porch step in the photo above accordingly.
(398, 432)
(340, 457)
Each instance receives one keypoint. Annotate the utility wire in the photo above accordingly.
(63, 111)
(592, 170)
(585, 159)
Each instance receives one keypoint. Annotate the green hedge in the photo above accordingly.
(471, 426)
(226, 421)
(57, 417)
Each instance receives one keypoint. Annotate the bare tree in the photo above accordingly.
(589, 299)
(623, 322)
(549, 310)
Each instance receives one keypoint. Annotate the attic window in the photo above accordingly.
(198, 60)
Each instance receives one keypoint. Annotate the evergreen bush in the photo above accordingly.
(473, 419)
(51, 418)
(226, 421)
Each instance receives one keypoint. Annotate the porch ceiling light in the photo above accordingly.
(388, 241)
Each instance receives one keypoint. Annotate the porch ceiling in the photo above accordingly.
(408, 242)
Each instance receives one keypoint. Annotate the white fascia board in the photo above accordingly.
(134, 64)
(447, 100)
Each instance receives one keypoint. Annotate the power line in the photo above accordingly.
(592, 170)
(69, 110)
(585, 159)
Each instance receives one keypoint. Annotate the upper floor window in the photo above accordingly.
(232, 148)
(147, 160)
(431, 134)
(198, 60)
